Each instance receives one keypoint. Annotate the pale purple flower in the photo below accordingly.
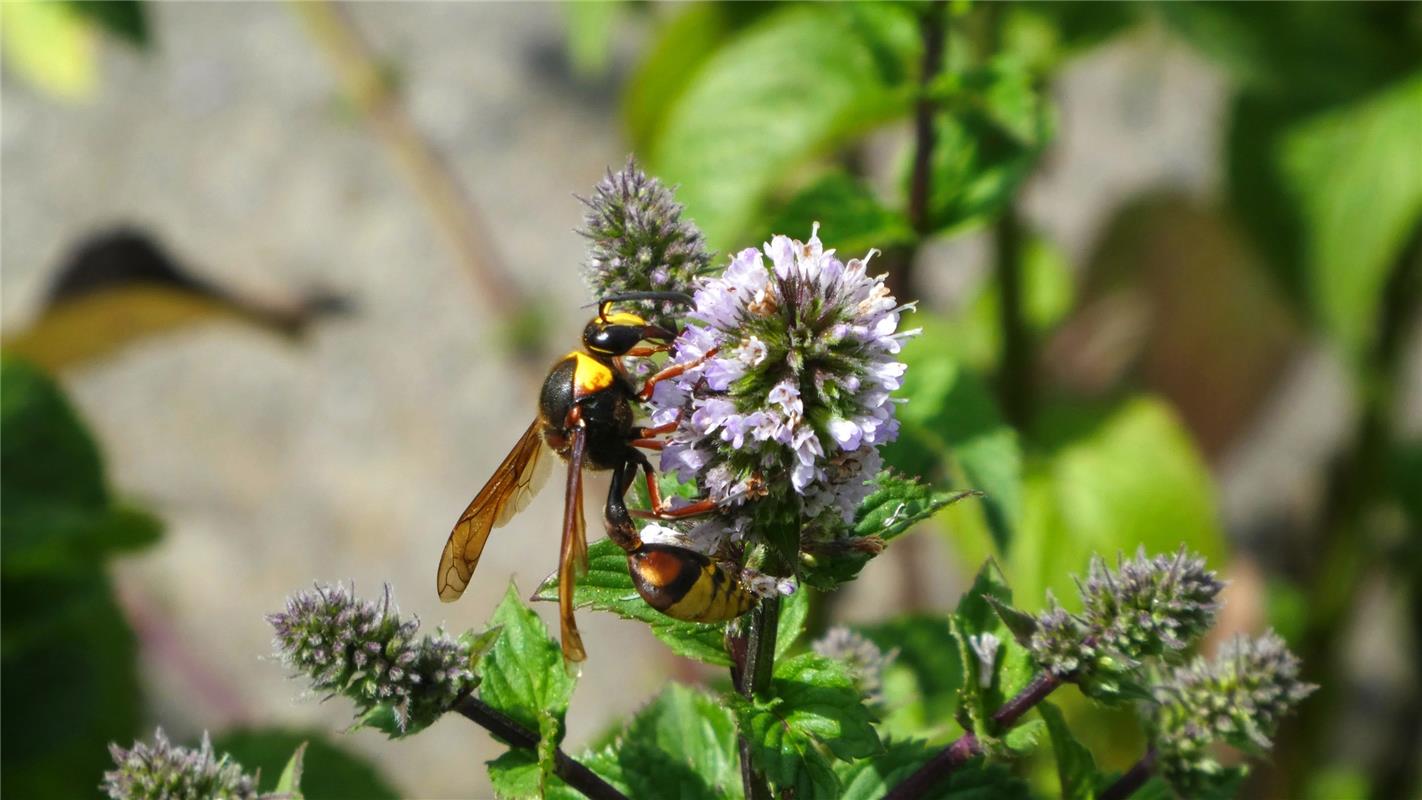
(796, 398)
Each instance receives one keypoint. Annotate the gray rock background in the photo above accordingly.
(347, 457)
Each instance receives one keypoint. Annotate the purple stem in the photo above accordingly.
(574, 773)
(967, 746)
(1134, 779)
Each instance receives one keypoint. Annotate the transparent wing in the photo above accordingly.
(513, 485)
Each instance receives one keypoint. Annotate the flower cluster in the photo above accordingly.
(363, 650)
(1238, 698)
(639, 242)
(1146, 607)
(790, 365)
(164, 771)
(865, 661)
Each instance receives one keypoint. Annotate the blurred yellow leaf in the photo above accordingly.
(51, 46)
(97, 324)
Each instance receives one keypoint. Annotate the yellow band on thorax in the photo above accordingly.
(589, 374)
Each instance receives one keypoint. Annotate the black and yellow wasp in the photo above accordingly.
(586, 415)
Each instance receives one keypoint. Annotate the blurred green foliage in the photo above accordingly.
(68, 656)
(328, 772)
(67, 670)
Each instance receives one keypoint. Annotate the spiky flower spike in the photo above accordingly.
(792, 363)
(1238, 698)
(162, 771)
(1146, 607)
(363, 649)
(639, 242)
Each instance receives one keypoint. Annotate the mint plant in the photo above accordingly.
(791, 359)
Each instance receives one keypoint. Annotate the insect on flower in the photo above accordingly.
(586, 415)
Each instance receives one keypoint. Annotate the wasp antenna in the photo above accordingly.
(671, 297)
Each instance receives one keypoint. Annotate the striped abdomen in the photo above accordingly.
(686, 585)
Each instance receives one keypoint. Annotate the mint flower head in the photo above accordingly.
(638, 241)
(363, 649)
(792, 357)
(1146, 607)
(163, 771)
(1237, 698)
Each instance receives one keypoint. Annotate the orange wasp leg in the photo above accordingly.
(573, 554)
(673, 371)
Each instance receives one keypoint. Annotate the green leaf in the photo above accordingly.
(951, 417)
(1021, 624)
(1044, 35)
(682, 744)
(289, 783)
(47, 458)
(524, 676)
(517, 774)
(852, 220)
(1358, 182)
(791, 86)
(683, 44)
(813, 712)
(1116, 481)
(994, 127)
(793, 611)
(126, 20)
(1076, 769)
(872, 778)
(1299, 50)
(1023, 738)
(52, 47)
(590, 28)
(68, 682)
(993, 673)
(68, 678)
(895, 506)
(49, 539)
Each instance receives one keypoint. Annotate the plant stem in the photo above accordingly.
(369, 89)
(753, 677)
(1015, 385)
(924, 135)
(899, 261)
(938, 768)
(1133, 780)
(571, 771)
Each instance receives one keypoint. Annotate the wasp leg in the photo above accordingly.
(658, 430)
(620, 528)
(698, 508)
(673, 371)
(573, 554)
(648, 444)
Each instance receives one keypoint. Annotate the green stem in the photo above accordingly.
(753, 678)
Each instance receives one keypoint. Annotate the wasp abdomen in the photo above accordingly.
(687, 585)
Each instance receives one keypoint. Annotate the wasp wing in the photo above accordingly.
(508, 492)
